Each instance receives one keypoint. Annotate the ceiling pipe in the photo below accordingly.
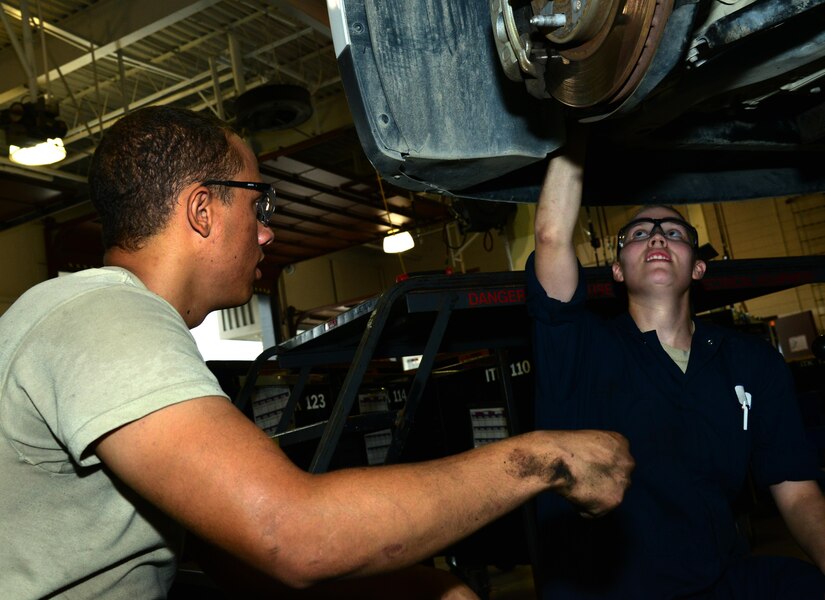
(158, 99)
(110, 48)
(42, 31)
(189, 80)
(21, 55)
(121, 73)
(216, 89)
(237, 63)
(28, 49)
(165, 96)
(81, 131)
(226, 94)
(84, 130)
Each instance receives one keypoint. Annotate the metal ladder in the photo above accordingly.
(809, 219)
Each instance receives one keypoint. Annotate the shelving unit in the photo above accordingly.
(442, 314)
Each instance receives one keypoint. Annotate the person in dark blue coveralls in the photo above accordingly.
(701, 406)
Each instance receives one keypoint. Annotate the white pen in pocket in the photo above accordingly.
(745, 401)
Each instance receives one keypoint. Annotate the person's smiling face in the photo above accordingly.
(662, 259)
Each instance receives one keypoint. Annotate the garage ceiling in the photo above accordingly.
(104, 58)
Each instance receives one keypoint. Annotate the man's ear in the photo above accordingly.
(618, 274)
(699, 268)
(199, 210)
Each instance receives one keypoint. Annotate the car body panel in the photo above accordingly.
(729, 105)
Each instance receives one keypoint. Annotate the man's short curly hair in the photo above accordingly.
(144, 162)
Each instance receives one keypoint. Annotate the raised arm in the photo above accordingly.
(210, 468)
(556, 216)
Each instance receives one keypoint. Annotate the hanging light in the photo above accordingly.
(38, 154)
(395, 241)
(398, 241)
(33, 132)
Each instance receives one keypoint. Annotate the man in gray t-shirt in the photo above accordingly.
(115, 438)
(74, 373)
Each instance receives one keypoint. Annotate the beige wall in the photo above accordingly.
(779, 227)
(751, 229)
(367, 270)
(522, 241)
(772, 227)
(22, 261)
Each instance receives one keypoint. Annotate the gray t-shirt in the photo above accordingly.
(81, 356)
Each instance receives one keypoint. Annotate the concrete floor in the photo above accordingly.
(516, 584)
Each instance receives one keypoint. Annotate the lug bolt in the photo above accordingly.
(551, 21)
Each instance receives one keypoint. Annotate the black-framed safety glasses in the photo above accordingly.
(265, 206)
(673, 229)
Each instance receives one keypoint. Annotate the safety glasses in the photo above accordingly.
(265, 206)
(672, 229)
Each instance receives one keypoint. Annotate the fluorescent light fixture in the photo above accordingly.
(396, 242)
(44, 153)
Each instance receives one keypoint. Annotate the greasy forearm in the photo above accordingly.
(363, 521)
(802, 506)
(207, 466)
(408, 512)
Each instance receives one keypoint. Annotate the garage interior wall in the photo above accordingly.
(365, 271)
(763, 228)
(22, 261)
(772, 227)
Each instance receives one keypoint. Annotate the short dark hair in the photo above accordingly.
(146, 159)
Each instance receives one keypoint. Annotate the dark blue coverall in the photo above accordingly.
(675, 534)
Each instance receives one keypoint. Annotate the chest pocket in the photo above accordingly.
(686, 423)
(717, 418)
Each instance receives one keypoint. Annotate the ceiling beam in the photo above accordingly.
(181, 90)
(82, 44)
(28, 171)
(371, 200)
(122, 23)
(320, 220)
(307, 232)
(162, 58)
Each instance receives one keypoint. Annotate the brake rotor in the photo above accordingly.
(601, 53)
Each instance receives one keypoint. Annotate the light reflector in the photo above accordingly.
(44, 153)
(396, 242)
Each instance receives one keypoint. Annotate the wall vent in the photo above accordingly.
(241, 322)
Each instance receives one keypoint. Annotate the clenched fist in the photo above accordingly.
(590, 468)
